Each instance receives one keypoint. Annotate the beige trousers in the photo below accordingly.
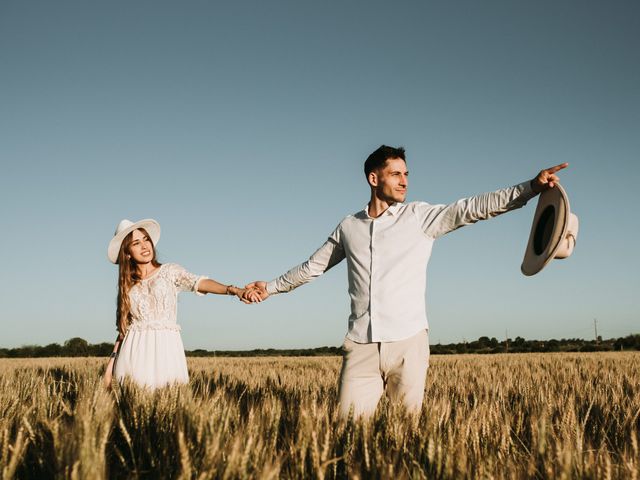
(369, 368)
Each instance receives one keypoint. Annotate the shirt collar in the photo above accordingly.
(392, 210)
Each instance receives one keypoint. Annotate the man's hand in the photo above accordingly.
(258, 290)
(246, 295)
(547, 178)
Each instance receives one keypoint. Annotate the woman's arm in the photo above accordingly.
(211, 286)
(108, 374)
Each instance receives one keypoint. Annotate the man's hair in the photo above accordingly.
(379, 158)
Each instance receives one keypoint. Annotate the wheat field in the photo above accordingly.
(498, 416)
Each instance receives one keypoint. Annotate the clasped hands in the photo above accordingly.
(254, 292)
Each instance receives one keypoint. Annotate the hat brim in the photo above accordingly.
(150, 225)
(549, 228)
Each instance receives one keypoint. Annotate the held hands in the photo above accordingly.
(257, 291)
(547, 178)
(253, 293)
(245, 295)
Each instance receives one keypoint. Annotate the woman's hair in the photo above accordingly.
(127, 278)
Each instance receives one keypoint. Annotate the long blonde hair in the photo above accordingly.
(127, 278)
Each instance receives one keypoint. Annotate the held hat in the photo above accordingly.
(553, 232)
(124, 228)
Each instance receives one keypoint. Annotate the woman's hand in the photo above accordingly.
(108, 375)
(260, 287)
(248, 295)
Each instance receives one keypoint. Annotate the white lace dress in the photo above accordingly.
(152, 353)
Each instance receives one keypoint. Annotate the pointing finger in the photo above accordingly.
(557, 167)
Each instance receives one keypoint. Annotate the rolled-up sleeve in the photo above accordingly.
(328, 255)
(438, 220)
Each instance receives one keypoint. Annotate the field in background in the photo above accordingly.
(498, 416)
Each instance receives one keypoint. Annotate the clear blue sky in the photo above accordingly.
(242, 128)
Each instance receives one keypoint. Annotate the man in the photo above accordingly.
(387, 246)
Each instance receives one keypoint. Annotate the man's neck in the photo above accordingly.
(377, 206)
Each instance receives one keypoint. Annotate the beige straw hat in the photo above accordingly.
(124, 228)
(553, 232)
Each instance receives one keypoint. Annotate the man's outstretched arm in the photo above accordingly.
(437, 220)
(547, 178)
(329, 254)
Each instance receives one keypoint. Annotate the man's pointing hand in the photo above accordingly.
(547, 178)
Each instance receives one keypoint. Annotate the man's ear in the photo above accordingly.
(373, 179)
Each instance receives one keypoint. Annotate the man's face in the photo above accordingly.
(390, 183)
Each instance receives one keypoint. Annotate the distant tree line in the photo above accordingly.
(520, 345)
(79, 347)
(74, 347)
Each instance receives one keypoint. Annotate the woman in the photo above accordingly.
(149, 348)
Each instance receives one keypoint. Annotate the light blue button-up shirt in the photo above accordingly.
(387, 260)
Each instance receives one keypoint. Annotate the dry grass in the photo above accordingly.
(499, 416)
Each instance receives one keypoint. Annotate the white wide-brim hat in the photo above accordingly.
(553, 233)
(124, 228)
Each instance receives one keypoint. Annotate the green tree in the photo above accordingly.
(51, 350)
(76, 347)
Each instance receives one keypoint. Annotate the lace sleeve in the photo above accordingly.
(184, 280)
